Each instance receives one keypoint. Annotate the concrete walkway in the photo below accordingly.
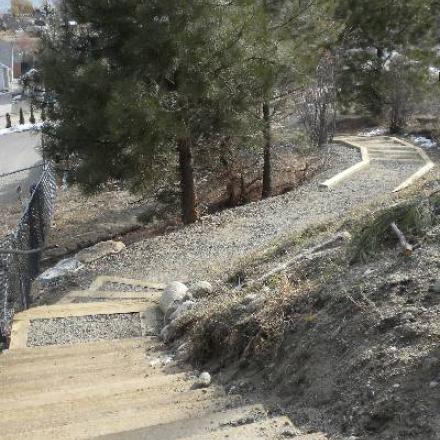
(18, 151)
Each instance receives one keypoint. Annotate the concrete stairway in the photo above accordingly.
(383, 149)
(117, 388)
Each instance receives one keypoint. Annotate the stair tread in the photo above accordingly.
(93, 409)
(198, 424)
(96, 388)
(80, 309)
(75, 297)
(268, 428)
(120, 420)
(94, 348)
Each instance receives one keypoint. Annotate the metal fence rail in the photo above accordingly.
(21, 250)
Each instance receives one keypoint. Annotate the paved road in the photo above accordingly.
(18, 151)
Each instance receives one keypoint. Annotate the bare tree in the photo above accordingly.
(402, 88)
(316, 104)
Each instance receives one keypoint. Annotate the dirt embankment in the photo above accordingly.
(345, 345)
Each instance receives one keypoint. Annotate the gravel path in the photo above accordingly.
(205, 250)
(75, 329)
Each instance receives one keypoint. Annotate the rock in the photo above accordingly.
(169, 333)
(200, 288)
(175, 292)
(183, 352)
(249, 298)
(171, 309)
(99, 250)
(204, 380)
(435, 288)
(60, 270)
(254, 306)
(181, 309)
(433, 384)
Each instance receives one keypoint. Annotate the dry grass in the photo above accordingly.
(373, 232)
(224, 329)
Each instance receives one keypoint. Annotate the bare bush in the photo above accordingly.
(317, 103)
(402, 88)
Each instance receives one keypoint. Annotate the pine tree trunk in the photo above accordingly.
(267, 167)
(188, 191)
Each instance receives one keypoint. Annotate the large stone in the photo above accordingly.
(204, 380)
(170, 333)
(181, 309)
(435, 287)
(173, 294)
(99, 250)
(60, 270)
(200, 288)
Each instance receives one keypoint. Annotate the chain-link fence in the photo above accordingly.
(20, 251)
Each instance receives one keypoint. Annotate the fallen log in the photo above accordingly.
(407, 248)
(335, 241)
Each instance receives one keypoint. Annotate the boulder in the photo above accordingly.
(60, 270)
(204, 380)
(255, 305)
(435, 287)
(170, 333)
(181, 309)
(200, 288)
(173, 294)
(251, 297)
(99, 250)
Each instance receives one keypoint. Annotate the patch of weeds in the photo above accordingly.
(310, 318)
(280, 248)
(373, 232)
(434, 201)
(226, 331)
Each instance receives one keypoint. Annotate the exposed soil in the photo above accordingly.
(352, 350)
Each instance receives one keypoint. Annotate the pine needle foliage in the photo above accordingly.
(373, 232)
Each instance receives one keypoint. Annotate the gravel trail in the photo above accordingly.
(205, 250)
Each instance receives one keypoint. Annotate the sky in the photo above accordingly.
(5, 5)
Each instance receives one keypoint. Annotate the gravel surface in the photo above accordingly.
(76, 329)
(218, 242)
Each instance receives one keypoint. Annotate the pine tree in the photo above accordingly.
(375, 35)
(22, 121)
(32, 117)
(43, 113)
(158, 81)
(285, 43)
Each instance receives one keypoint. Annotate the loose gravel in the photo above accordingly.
(216, 244)
(76, 329)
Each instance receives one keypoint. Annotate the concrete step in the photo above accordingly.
(149, 412)
(197, 425)
(395, 157)
(107, 282)
(46, 353)
(92, 409)
(390, 147)
(149, 313)
(415, 161)
(268, 428)
(83, 296)
(57, 379)
(46, 396)
(80, 309)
